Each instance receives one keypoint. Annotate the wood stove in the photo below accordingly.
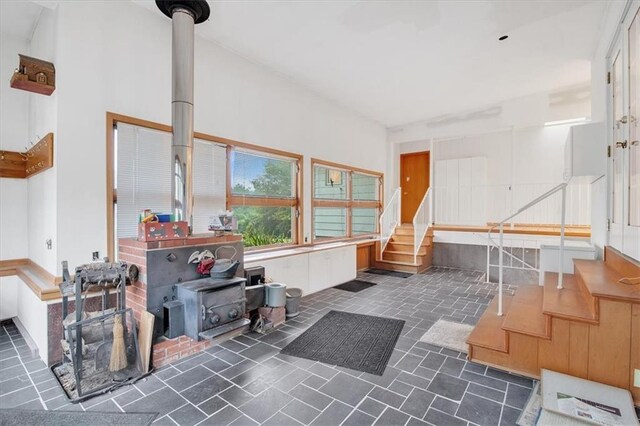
(212, 306)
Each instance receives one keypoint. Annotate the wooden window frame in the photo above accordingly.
(348, 203)
(111, 195)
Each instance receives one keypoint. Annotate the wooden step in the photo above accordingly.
(400, 238)
(406, 247)
(393, 265)
(570, 302)
(488, 332)
(401, 230)
(525, 315)
(403, 256)
(408, 239)
(601, 281)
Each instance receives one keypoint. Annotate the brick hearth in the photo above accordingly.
(135, 252)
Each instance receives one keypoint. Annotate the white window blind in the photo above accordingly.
(209, 183)
(144, 173)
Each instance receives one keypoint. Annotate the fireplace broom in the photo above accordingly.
(118, 359)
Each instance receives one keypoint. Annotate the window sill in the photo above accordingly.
(253, 257)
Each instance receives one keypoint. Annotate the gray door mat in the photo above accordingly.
(354, 286)
(448, 334)
(15, 417)
(359, 342)
(388, 273)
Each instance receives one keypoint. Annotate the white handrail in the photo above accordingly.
(561, 187)
(421, 222)
(390, 219)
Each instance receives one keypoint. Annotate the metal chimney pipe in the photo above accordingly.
(184, 15)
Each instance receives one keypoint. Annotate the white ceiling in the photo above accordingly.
(402, 61)
(18, 18)
(398, 62)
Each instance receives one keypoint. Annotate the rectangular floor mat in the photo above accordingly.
(395, 274)
(354, 286)
(359, 342)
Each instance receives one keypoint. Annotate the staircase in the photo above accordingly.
(398, 255)
(589, 329)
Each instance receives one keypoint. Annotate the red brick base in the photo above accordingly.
(170, 350)
(134, 252)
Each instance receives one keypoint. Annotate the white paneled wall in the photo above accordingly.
(460, 191)
(479, 179)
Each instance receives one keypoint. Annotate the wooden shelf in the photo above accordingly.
(20, 165)
(34, 75)
(22, 82)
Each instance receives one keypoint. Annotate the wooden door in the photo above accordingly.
(414, 181)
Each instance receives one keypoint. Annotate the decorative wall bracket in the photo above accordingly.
(22, 165)
(34, 75)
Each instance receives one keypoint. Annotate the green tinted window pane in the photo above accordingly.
(329, 222)
(364, 221)
(365, 187)
(329, 183)
(258, 175)
(263, 226)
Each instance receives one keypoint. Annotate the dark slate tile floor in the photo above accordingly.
(248, 382)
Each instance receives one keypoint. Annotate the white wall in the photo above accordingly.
(114, 56)
(42, 119)
(14, 136)
(9, 297)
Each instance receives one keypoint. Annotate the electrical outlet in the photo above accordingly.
(636, 378)
(49, 244)
(95, 255)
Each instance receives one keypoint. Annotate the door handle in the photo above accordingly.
(622, 145)
(635, 143)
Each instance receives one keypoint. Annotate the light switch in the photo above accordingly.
(636, 378)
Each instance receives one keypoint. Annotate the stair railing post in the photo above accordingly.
(562, 222)
(488, 280)
(500, 257)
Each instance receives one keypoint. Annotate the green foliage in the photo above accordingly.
(256, 239)
(266, 225)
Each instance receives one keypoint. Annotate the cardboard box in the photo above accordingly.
(162, 231)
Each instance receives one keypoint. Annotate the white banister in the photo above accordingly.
(561, 254)
(390, 219)
(421, 221)
(500, 225)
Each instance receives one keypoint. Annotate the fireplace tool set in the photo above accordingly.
(100, 347)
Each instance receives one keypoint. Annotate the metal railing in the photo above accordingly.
(516, 253)
(500, 225)
(389, 219)
(421, 221)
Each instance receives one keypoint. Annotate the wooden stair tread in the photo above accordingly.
(397, 262)
(488, 332)
(409, 244)
(568, 303)
(421, 252)
(602, 281)
(525, 315)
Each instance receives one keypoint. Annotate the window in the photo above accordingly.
(346, 201)
(261, 185)
(264, 196)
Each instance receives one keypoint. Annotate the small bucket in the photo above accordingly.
(293, 302)
(275, 295)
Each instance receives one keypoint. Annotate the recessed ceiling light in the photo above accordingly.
(504, 37)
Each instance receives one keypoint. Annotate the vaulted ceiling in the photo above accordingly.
(398, 62)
